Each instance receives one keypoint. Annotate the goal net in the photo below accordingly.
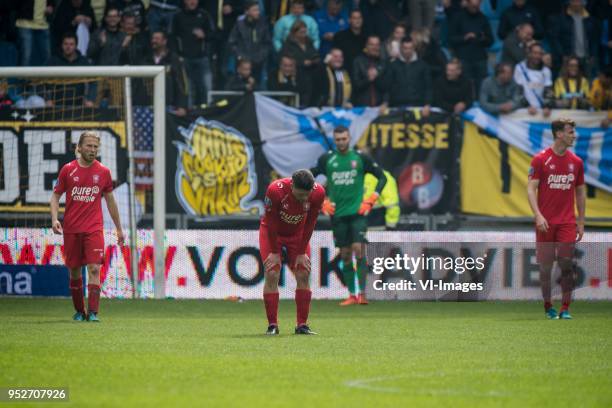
(43, 111)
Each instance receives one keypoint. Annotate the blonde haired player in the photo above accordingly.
(85, 180)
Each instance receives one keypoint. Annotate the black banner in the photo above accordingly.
(215, 164)
(421, 153)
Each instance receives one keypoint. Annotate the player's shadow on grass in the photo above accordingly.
(55, 321)
(250, 336)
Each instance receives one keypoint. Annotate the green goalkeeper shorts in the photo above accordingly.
(349, 229)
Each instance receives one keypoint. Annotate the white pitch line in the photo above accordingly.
(369, 385)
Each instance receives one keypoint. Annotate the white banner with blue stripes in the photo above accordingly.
(295, 138)
(532, 134)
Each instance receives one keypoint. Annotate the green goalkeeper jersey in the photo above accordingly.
(345, 174)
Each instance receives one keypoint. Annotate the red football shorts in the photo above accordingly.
(84, 248)
(290, 243)
(558, 241)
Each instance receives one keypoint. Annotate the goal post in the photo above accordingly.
(157, 73)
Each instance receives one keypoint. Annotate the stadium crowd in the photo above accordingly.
(501, 54)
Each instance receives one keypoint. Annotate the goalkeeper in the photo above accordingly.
(345, 170)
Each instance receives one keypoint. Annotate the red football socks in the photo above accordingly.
(547, 305)
(93, 298)
(302, 302)
(271, 303)
(565, 306)
(76, 290)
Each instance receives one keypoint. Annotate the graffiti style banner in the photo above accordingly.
(215, 163)
(216, 264)
(32, 154)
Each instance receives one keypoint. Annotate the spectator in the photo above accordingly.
(288, 79)
(67, 94)
(602, 9)
(330, 20)
(242, 80)
(33, 30)
(135, 43)
(391, 49)
(133, 7)
(334, 83)
(225, 13)
(250, 39)
(285, 25)
(381, 16)
(571, 87)
(368, 75)
(73, 16)
(352, 40)
(600, 96)
(452, 8)
(516, 44)
(470, 35)
(574, 32)
(453, 92)
(176, 79)
(429, 51)
(536, 80)
(280, 8)
(192, 29)
(5, 99)
(500, 94)
(408, 80)
(519, 13)
(422, 13)
(161, 13)
(105, 44)
(299, 47)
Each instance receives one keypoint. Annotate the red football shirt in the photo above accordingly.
(559, 176)
(287, 217)
(84, 187)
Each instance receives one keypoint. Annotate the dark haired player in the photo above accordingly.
(555, 188)
(85, 181)
(292, 206)
(345, 169)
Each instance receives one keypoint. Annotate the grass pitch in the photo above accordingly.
(396, 354)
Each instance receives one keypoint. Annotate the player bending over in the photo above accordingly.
(292, 206)
(556, 185)
(84, 181)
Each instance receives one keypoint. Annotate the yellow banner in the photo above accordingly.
(483, 182)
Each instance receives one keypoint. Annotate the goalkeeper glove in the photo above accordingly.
(328, 207)
(367, 204)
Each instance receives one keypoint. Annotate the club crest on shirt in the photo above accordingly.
(552, 166)
(571, 167)
(76, 179)
(353, 164)
(96, 178)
